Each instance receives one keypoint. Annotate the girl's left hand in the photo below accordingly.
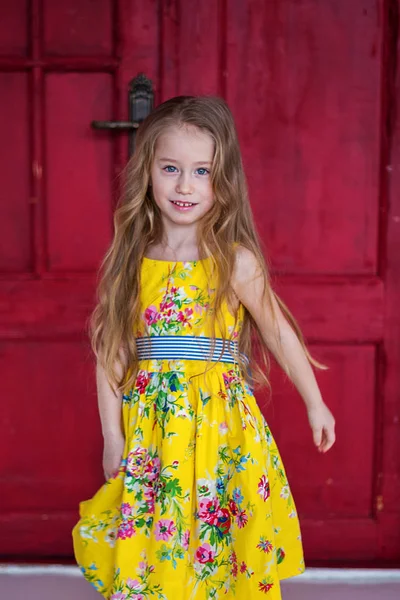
(322, 425)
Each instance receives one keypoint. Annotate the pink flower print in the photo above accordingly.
(164, 305)
(241, 519)
(263, 488)
(142, 466)
(134, 584)
(243, 567)
(142, 381)
(143, 567)
(181, 317)
(265, 545)
(198, 308)
(233, 507)
(136, 462)
(165, 528)
(118, 596)
(204, 554)
(224, 520)
(265, 586)
(174, 289)
(209, 511)
(186, 540)
(188, 312)
(168, 316)
(233, 560)
(125, 530)
(126, 509)
(228, 379)
(233, 557)
(149, 496)
(151, 315)
(152, 468)
(223, 428)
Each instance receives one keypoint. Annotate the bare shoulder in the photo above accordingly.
(251, 286)
(247, 266)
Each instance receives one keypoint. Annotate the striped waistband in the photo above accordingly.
(187, 347)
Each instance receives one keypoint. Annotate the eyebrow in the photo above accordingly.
(199, 162)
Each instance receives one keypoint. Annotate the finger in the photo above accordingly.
(329, 439)
(317, 435)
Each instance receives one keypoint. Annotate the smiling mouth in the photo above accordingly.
(183, 204)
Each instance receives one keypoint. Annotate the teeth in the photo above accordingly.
(184, 203)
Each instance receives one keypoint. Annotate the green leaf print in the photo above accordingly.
(204, 397)
(280, 555)
(173, 488)
(224, 454)
(130, 589)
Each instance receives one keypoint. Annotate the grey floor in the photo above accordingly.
(66, 583)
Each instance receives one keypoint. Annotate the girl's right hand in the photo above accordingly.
(112, 454)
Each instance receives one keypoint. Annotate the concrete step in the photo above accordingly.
(50, 582)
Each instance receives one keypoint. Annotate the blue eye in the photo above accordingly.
(169, 167)
(203, 169)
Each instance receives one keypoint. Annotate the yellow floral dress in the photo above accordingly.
(201, 507)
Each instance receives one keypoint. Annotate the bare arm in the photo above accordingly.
(248, 285)
(109, 405)
(110, 411)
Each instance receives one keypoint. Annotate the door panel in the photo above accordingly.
(59, 190)
(78, 28)
(80, 165)
(304, 86)
(15, 254)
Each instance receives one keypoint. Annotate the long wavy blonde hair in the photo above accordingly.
(138, 224)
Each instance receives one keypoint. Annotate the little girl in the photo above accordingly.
(196, 503)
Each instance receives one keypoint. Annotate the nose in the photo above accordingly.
(183, 185)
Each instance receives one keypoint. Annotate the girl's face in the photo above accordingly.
(180, 174)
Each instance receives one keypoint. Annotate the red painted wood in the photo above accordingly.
(389, 471)
(78, 27)
(313, 89)
(64, 402)
(138, 48)
(79, 214)
(15, 234)
(14, 28)
(340, 483)
(303, 82)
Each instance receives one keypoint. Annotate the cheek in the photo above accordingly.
(207, 200)
(161, 187)
(204, 187)
(209, 193)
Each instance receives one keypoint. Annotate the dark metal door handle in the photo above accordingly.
(140, 104)
(114, 125)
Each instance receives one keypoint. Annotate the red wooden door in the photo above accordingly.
(311, 87)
